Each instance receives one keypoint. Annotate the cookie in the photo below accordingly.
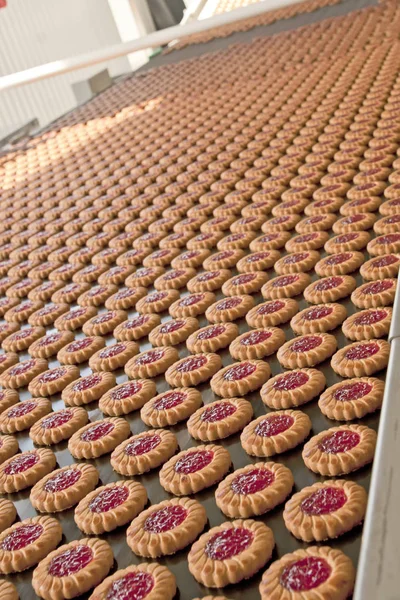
(274, 312)
(384, 266)
(354, 222)
(174, 279)
(346, 242)
(319, 222)
(257, 343)
(6, 329)
(219, 419)
(288, 390)
(157, 302)
(297, 262)
(22, 311)
(63, 488)
(329, 289)
(143, 452)
(229, 309)
(98, 438)
(173, 332)
(245, 283)
(21, 340)
(383, 244)
(23, 415)
(212, 338)
(49, 345)
(208, 281)
(171, 407)
(53, 381)
(52, 429)
(24, 470)
(191, 305)
(339, 264)
(275, 433)
(307, 241)
(225, 259)
(340, 450)
(110, 506)
(77, 566)
(377, 293)
(75, 318)
(285, 286)
(8, 398)
(151, 579)
(240, 378)
(254, 490)
(127, 397)
(97, 295)
(318, 319)
(8, 514)
(361, 358)
(286, 222)
(389, 224)
(87, 389)
(151, 362)
(195, 469)
(21, 374)
(136, 328)
(26, 543)
(7, 360)
(166, 528)
(316, 571)
(104, 322)
(258, 261)
(325, 510)
(307, 350)
(125, 298)
(231, 552)
(270, 241)
(113, 357)
(80, 351)
(368, 324)
(193, 370)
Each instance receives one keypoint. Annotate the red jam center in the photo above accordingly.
(22, 537)
(71, 561)
(228, 543)
(57, 419)
(274, 425)
(172, 326)
(228, 303)
(393, 219)
(291, 381)
(52, 375)
(165, 519)
(377, 287)
(22, 463)
(169, 400)
(136, 322)
(223, 255)
(128, 389)
(362, 351)
(173, 275)
(328, 284)
(242, 279)
(295, 258)
(103, 318)
(305, 574)
(79, 345)
(112, 351)
(270, 307)
(50, 339)
(239, 371)
(390, 238)
(257, 256)
(109, 499)
(207, 276)
(20, 410)
(352, 391)
(125, 294)
(319, 312)
(191, 363)
(190, 300)
(134, 586)
(142, 445)
(150, 357)
(385, 261)
(285, 280)
(218, 411)
(324, 501)
(338, 259)
(62, 480)
(255, 337)
(86, 383)
(346, 237)
(252, 481)
(306, 343)
(211, 332)
(339, 441)
(353, 219)
(156, 297)
(193, 462)
(97, 431)
(371, 317)
(22, 367)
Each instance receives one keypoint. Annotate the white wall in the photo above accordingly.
(33, 32)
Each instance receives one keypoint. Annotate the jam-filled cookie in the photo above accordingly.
(220, 419)
(381, 267)
(231, 552)
(53, 381)
(98, 438)
(24, 470)
(212, 337)
(275, 433)
(383, 244)
(245, 283)
(208, 281)
(318, 571)
(26, 543)
(104, 322)
(346, 242)
(63, 488)
(143, 452)
(127, 397)
(257, 343)
(23, 415)
(294, 388)
(258, 261)
(361, 358)
(325, 510)
(174, 279)
(339, 264)
(97, 295)
(225, 259)
(286, 286)
(297, 262)
(19, 341)
(125, 298)
(254, 490)
(80, 351)
(75, 318)
(151, 362)
(318, 319)
(193, 370)
(352, 399)
(77, 567)
(171, 407)
(136, 328)
(271, 313)
(110, 506)
(329, 289)
(307, 241)
(368, 324)
(21, 374)
(50, 344)
(321, 222)
(173, 332)
(195, 469)
(151, 579)
(229, 309)
(166, 528)
(87, 389)
(60, 425)
(240, 378)
(307, 350)
(375, 294)
(157, 302)
(354, 222)
(113, 357)
(340, 450)
(191, 305)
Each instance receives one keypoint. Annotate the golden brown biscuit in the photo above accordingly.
(318, 319)
(98, 438)
(361, 358)
(287, 390)
(352, 398)
(143, 452)
(131, 581)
